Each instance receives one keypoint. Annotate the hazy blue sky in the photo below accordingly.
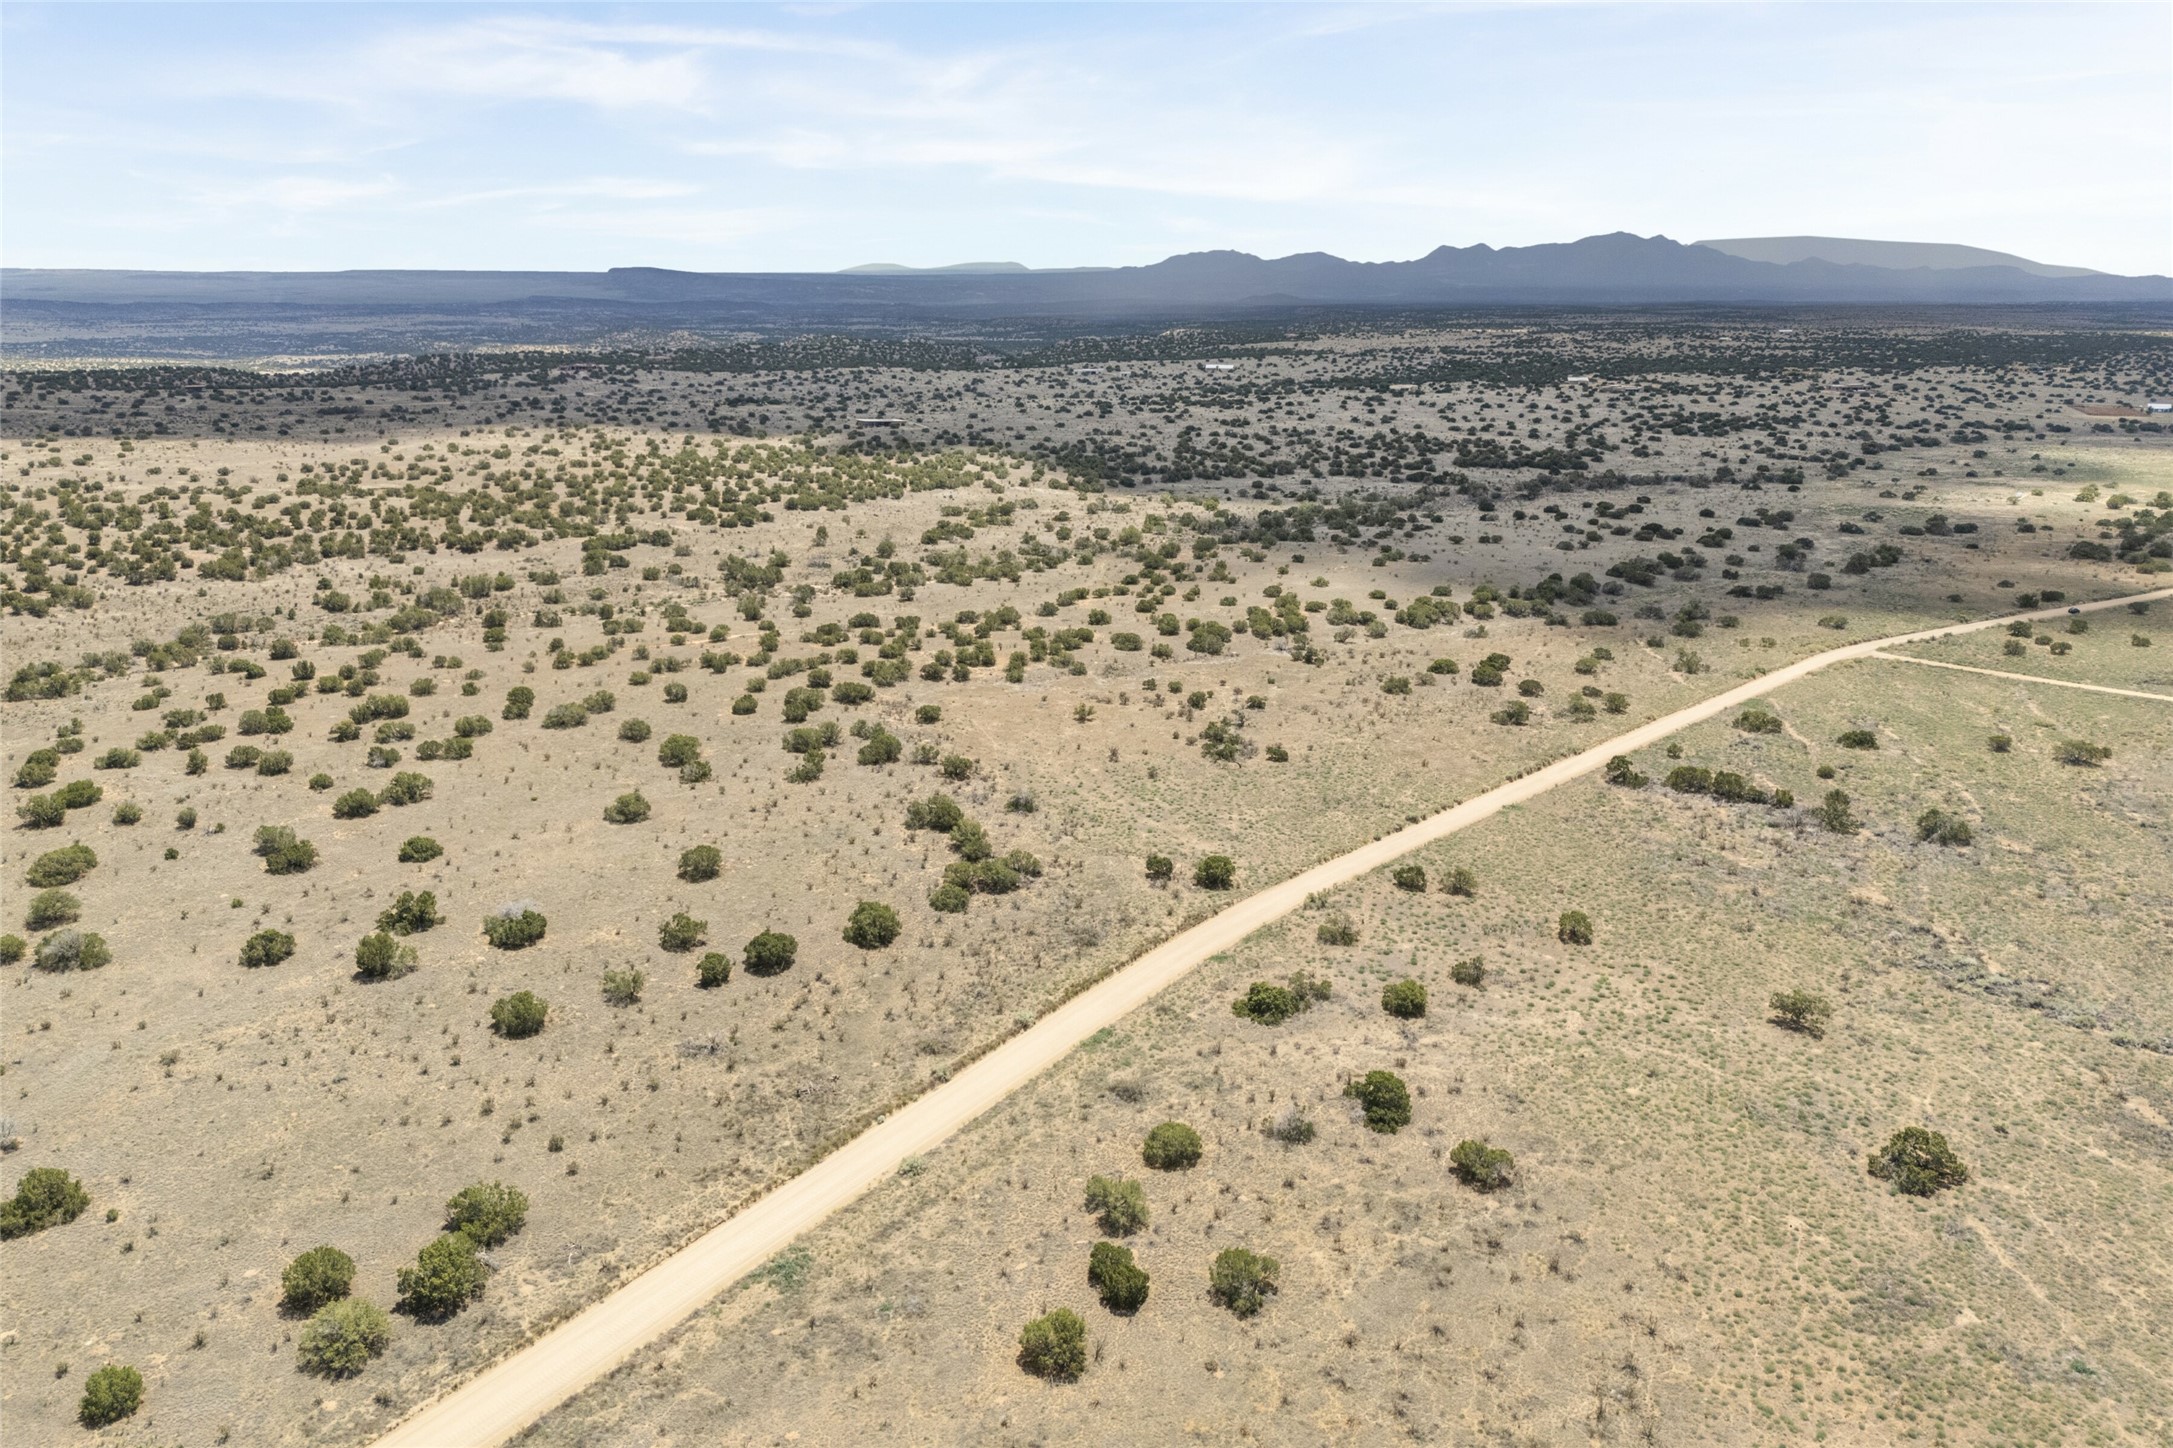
(811, 137)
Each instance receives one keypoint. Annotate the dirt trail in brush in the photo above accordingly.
(521, 1388)
(2025, 678)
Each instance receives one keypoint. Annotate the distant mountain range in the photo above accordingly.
(1618, 269)
(1894, 255)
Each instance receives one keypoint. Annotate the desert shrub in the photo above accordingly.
(284, 852)
(112, 1393)
(519, 700)
(49, 908)
(1489, 1168)
(1801, 1010)
(354, 805)
(1242, 1281)
(45, 1197)
(342, 1337)
(447, 1275)
(79, 794)
(1054, 1346)
(1918, 1162)
(1120, 1205)
(702, 862)
(41, 812)
(266, 947)
(72, 950)
(1732, 788)
(411, 914)
(519, 1015)
(1757, 719)
(871, 926)
(1292, 1128)
(1385, 1100)
(64, 866)
(471, 726)
(1690, 779)
(1461, 881)
(1172, 1146)
(971, 841)
(1215, 872)
(713, 970)
(1936, 827)
(407, 788)
(950, 898)
(38, 770)
(514, 927)
(636, 731)
(380, 957)
(1121, 1281)
(1574, 928)
(773, 951)
(1268, 1003)
(628, 809)
(882, 747)
(682, 932)
(1404, 999)
(2081, 752)
(318, 1276)
(419, 849)
(565, 716)
(678, 751)
(12, 949)
(487, 1213)
(1338, 929)
(1857, 739)
(2001, 743)
(938, 812)
(1410, 877)
(1160, 868)
(744, 704)
(1470, 971)
(1833, 813)
(956, 767)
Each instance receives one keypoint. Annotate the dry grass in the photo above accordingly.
(232, 1118)
(1693, 1251)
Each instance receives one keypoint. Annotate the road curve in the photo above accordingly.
(519, 1389)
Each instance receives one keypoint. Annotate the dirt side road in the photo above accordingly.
(500, 1402)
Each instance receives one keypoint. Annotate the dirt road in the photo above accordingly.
(504, 1399)
(2024, 678)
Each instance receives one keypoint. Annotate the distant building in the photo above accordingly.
(2158, 407)
(1219, 366)
(1580, 377)
(878, 422)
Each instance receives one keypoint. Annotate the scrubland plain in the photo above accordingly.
(313, 602)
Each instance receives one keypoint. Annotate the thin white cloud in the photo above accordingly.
(818, 135)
